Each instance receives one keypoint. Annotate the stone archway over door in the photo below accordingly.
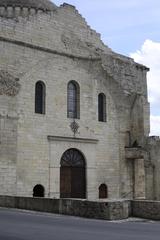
(72, 175)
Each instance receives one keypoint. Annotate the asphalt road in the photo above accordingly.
(26, 225)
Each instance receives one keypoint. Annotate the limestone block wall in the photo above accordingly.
(33, 159)
(56, 48)
(132, 108)
(153, 168)
(131, 78)
(8, 145)
(63, 30)
(35, 128)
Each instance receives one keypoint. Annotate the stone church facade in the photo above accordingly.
(74, 115)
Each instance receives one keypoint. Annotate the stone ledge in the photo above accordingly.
(49, 50)
(72, 139)
(135, 153)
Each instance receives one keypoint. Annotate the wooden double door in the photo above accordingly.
(72, 175)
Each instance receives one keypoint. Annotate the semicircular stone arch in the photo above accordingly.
(38, 191)
(73, 158)
(103, 191)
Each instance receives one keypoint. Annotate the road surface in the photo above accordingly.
(27, 225)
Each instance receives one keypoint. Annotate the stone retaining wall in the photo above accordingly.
(107, 210)
(146, 209)
(111, 210)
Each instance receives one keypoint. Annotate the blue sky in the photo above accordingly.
(123, 24)
(132, 28)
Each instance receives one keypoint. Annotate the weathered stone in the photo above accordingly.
(139, 185)
(8, 84)
(135, 153)
(113, 210)
(42, 42)
(146, 209)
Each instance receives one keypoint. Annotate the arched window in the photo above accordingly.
(73, 100)
(103, 191)
(101, 107)
(40, 97)
(38, 191)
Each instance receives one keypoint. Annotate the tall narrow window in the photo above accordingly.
(40, 98)
(101, 107)
(73, 101)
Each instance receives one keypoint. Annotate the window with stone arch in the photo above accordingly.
(102, 117)
(73, 100)
(103, 191)
(40, 95)
(38, 191)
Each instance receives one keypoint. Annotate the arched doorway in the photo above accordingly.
(72, 175)
(38, 191)
(103, 191)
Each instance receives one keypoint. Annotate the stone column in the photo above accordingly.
(139, 179)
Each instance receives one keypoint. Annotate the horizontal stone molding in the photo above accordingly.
(48, 50)
(72, 139)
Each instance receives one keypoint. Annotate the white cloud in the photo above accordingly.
(155, 126)
(149, 55)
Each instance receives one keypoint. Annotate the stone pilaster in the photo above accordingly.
(139, 181)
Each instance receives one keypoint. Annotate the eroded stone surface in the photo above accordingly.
(9, 85)
(56, 47)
